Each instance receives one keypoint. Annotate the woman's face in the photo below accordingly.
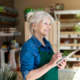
(43, 28)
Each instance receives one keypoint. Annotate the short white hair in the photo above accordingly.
(36, 17)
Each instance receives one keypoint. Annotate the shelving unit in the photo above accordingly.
(66, 38)
(7, 21)
(9, 14)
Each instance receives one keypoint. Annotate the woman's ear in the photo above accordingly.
(34, 26)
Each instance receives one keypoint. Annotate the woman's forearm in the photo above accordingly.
(37, 73)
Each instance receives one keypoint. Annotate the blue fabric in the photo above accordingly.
(29, 55)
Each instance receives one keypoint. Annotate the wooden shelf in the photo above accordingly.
(73, 60)
(73, 68)
(10, 34)
(10, 14)
(69, 34)
(76, 67)
(67, 12)
(7, 23)
(69, 46)
(69, 20)
(76, 45)
(76, 56)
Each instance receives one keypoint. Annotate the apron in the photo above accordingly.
(52, 74)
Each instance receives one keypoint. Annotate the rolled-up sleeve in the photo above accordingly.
(26, 60)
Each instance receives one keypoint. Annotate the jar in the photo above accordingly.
(75, 41)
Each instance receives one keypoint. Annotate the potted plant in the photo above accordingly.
(7, 74)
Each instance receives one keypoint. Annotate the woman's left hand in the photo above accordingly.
(62, 64)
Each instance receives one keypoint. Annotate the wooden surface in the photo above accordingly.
(76, 45)
(70, 33)
(66, 33)
(69, 20)
(76, 56)
(27, 31)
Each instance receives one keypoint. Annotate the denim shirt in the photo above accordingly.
(29, 55)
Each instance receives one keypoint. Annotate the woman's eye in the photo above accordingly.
(45, 23)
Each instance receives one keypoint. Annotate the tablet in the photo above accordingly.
(72, 53)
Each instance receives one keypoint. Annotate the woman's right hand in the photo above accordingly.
(54, 59)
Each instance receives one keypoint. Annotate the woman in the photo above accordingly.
(38, 61)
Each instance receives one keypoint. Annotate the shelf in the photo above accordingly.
(76, 45)
(67, 12)
(69, 34)
(67, 69)
(76, 56)
(68, 24)
(10, 14)
(69, 20)
(73, 60)
(10, 34)
(6, 23)
(69, 46)
(76, 67)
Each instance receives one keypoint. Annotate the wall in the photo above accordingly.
(8, 3)
(22, 4)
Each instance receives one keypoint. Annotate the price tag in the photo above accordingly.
(71, 47)
(77, 47)
(78, 35)
(69, 36)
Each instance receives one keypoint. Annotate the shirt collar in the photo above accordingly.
(38, 43)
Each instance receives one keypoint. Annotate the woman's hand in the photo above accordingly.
(54, 59)
(62, 64)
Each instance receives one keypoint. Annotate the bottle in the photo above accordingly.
(11, 44)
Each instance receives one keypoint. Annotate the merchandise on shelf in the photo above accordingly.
(8, 19)
(14, 44)
(76, 27)
(59, 6)
(27, 10)
(66, 53)
(77, 16)
(52, 7)
(8, 9)
(8, 30)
